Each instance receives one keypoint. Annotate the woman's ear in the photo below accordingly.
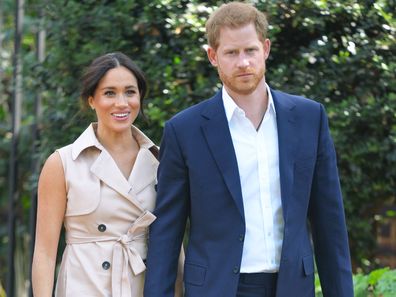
(90, 102)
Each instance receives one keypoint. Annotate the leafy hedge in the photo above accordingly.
(378, 283)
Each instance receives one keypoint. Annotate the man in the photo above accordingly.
(254, 171)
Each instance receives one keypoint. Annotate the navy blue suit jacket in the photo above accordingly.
(198, 180)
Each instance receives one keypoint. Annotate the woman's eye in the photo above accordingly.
(109, 93)
(130, 92)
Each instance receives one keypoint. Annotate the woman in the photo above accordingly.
(101, 188)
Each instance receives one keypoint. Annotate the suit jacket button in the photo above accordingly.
(241, 237)
(102, 227)
(236, 269)
(105, 265)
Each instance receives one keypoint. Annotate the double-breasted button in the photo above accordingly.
(236, 269)
(102, 227)
(105, 265)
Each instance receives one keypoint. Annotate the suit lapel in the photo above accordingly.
(287, 142)
(217, 134)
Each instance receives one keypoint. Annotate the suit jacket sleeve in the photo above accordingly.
(327, 219)
(166, 233)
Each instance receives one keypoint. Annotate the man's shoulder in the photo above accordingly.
(299, 104)
(296, 99)
(192, 113)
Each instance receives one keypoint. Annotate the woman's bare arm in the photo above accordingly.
(50, 214)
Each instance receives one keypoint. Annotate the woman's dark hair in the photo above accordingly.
(99, 67)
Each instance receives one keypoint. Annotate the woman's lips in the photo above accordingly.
(120, 115)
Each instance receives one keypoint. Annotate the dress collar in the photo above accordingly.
(88, 139)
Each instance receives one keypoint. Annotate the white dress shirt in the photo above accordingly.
(258, 163)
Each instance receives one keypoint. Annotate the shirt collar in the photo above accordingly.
(231, 107)
(88, 139)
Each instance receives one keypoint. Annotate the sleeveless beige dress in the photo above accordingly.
(107, 218)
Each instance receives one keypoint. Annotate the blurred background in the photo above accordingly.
(340, 53)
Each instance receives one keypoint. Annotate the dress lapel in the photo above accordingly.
(217, 134)
(105, 169)
(143, 172)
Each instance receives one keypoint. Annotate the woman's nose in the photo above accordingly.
(122, 100)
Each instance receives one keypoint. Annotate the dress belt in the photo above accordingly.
(126, 253)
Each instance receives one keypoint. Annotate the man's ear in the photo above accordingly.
(212, 56)
(266, 48)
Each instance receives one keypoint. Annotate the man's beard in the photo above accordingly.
(238, 85)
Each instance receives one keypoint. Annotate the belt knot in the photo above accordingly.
(127, 252)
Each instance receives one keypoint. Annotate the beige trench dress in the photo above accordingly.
(106, 220)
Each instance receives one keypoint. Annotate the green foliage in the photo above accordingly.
(378, 283)
(6, 35)
(165, 38)
(341, 54)
(2, 291)
(381, 282)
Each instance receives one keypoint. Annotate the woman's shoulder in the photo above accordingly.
(53, 167)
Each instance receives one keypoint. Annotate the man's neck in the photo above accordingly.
(254, 105)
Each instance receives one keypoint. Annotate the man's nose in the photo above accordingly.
(243, 61)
